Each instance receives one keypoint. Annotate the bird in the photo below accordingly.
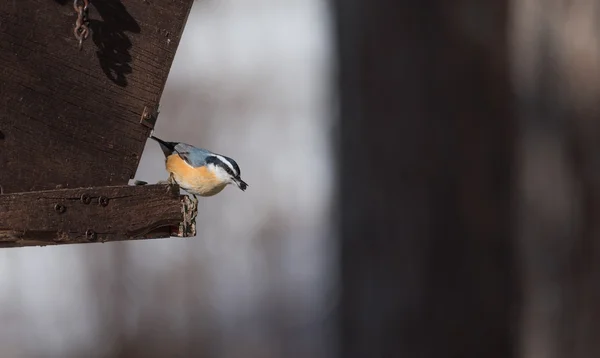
(199, 171)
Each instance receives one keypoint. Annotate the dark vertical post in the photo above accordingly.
(427, 260)
(557, 65)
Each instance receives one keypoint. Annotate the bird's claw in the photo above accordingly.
(170, 180)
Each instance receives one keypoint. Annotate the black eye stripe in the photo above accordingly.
(234, 165)
(237, 169)
(227, 169)
(219, 162)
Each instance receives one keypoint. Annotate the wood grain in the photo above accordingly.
(96, 214)
(71, 118)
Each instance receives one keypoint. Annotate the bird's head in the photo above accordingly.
(226, 169)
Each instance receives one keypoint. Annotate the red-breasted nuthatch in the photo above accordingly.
(199, 171)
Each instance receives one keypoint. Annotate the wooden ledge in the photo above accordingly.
(96, 214)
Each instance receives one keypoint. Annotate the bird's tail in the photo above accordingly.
(167, 147)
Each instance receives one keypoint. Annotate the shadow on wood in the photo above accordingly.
(110, 36)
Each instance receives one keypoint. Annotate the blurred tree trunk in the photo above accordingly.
(557, 78)
(426, 153)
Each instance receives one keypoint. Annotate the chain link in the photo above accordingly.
(81, 30)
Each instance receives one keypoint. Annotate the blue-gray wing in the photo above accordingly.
(196, 157)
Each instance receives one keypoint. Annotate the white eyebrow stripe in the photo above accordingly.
(224, 160)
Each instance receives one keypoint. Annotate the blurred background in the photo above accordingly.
(424, 182)
(251, 80)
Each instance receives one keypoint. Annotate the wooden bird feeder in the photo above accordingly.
(79, 90)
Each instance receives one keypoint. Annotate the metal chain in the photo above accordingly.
(81, 30)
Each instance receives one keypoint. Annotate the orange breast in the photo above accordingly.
(199, 181)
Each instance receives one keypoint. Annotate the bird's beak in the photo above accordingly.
(241, 184)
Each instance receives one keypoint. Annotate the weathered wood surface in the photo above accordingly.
(96, 214)
(70, 117)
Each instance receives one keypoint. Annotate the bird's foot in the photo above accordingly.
(170, 180)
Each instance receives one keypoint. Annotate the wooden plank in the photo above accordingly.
(71, 118)
(97, 214)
